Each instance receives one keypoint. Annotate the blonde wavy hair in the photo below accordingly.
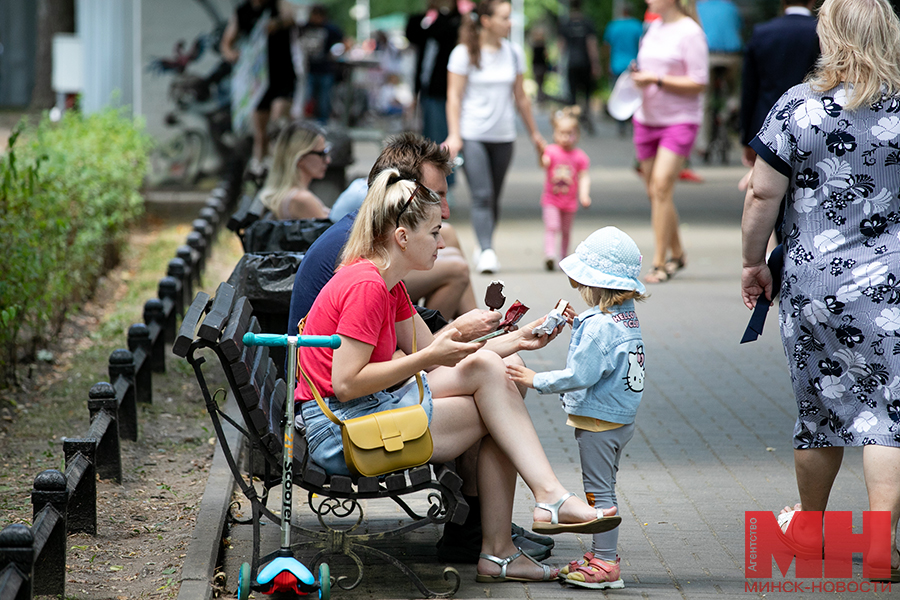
(294, 142)
(689, 8)
(860, 42)
(391, 199)
(603, 298)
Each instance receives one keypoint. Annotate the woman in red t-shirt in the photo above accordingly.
(469, 397)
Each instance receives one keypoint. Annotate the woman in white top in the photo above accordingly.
(300, 156)
(484, 89)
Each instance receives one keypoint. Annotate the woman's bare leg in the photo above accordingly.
(816, 469)
(881, 465)
(661, 173)
(503, 415)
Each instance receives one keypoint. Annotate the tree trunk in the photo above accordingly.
(54, 16)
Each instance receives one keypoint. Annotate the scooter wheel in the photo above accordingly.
(324, 582)
(244, 582)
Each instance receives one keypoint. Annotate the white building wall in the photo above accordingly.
(108, 32)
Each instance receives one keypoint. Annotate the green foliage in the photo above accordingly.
(68, 192)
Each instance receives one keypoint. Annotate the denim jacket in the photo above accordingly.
(604, 374)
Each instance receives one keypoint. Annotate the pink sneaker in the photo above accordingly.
(598, 575)
(577, 563)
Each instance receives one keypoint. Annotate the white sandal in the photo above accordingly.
(504, 562)
(599, 525)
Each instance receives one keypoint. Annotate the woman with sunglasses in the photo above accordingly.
(468, 396)
(300, 156)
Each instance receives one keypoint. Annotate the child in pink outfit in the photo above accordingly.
(567, 184)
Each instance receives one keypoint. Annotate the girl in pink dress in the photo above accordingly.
(566, 185)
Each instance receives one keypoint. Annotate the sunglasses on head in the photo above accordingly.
(431, 193)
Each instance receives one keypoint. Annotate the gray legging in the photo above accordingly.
(485, 165)
(600, 453)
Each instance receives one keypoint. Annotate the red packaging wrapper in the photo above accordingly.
(514, 314)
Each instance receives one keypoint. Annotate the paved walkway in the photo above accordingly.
(713, 436)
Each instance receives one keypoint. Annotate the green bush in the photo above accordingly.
(68, 193)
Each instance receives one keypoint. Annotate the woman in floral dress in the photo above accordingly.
(831, 148)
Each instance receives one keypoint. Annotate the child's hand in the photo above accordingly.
(520, 374)
(585, 201)
(570, 314)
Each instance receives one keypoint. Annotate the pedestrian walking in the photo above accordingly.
(276, 101)
(566, 185)
(602, 384)
(672, 72)
(829, 145)
(578, 44)
(484, 89)
(791, 42)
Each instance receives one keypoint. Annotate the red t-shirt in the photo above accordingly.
(561, 185)
(357, 304)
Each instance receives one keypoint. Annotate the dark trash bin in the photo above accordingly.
(266, 279)
(283, 236)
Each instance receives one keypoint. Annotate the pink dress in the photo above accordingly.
(561, 185)
(559, 202)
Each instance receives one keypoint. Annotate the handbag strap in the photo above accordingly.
(323, 406)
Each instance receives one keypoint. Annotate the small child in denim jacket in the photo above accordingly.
(601, 386)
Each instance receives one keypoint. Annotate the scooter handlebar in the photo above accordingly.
(281, 340)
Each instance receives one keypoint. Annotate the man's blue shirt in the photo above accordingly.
(624, 39)
(722, 24)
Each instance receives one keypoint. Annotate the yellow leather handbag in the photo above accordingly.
(386, 441)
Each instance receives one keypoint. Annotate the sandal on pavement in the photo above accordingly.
(574, 564)
(657, 275)
(597, 575)
(673, 265)
(598, 525)
(801, 549)
(548, 575)
(895, 572)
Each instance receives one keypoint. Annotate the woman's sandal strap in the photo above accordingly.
(657, 275)
(553, 509)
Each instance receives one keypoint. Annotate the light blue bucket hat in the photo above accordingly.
(608, 258)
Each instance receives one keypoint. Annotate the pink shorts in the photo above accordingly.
(677, 138)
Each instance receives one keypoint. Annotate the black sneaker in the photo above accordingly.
(543, 540)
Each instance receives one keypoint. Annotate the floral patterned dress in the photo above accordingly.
(840, 296)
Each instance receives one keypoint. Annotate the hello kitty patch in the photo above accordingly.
(634, 379)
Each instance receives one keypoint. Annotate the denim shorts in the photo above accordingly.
(323, 437)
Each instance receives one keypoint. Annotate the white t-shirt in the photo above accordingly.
(488, 104)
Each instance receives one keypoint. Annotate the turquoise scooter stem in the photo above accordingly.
(287, 466)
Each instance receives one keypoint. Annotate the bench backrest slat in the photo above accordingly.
(232, 340)
(189, 324)
(215, 321)
(241, 368)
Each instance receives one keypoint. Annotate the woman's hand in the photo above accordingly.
(453, 144)
(520, 374)
(476, 323)
(643, 79)
(448, 350)
(755, 279)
